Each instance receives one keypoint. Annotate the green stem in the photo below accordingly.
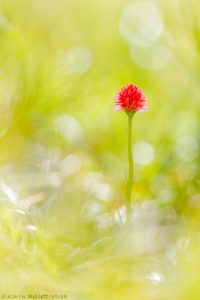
(130, 164)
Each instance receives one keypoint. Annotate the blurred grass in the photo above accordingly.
(63, 152)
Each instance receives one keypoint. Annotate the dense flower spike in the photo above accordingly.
(131, 99)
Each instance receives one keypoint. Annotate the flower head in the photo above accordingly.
(131, 99)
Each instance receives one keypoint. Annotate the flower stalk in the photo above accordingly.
(130, 163)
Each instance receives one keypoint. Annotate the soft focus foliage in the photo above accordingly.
(63, 150)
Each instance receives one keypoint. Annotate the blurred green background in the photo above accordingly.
(63, 155)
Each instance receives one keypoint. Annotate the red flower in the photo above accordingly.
(131, 99)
